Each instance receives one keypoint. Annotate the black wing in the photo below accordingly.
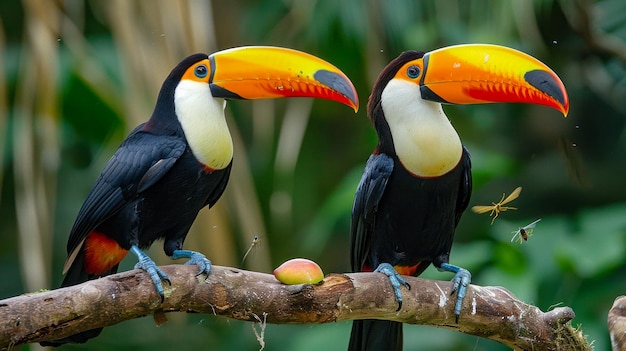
(465, 187)
(140, 161)
(368, 195)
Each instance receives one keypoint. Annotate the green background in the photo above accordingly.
(78, 76)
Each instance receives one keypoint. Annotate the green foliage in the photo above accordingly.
(571, 170)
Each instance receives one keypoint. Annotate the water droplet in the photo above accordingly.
(381, 50)
(554, 42)
(577, 126)
(573, 144)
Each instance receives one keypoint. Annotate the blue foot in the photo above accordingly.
(395, 279)
(156, 274)
(461, 280)
(194, 258)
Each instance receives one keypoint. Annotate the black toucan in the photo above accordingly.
(179, 161)
(418, 182)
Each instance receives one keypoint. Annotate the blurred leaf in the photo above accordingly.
(336, 208)
(521, 284)
(471, 256)
(488, 165)
(612, 16)
(331, 336)
(417, 337)
(599, 243)
(510, 259)
(88, 115)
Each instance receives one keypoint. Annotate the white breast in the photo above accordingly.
(424, 140)
(202, 119)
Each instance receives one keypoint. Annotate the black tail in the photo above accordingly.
(74, 276)
(375, 335)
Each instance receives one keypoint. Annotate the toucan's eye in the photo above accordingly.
(201, 71)
(413, 72)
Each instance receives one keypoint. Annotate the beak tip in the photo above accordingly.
(563, 106)
(340, 83)
(355, 106)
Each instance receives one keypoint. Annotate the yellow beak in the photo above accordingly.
(261, 72)
(480, 73)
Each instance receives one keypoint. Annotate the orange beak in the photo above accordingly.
(262, 72)
(480, 73)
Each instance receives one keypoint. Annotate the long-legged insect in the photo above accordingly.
(523, 233)
(255, 241)
(496, 208)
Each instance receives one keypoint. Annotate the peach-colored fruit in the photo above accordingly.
(299, 271)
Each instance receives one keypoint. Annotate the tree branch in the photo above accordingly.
(490, 312)
(617, 323)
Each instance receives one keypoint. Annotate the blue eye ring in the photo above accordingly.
(201, 71)
(413, 72)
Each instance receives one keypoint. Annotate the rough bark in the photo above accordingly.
(490, 312)
(617, 324)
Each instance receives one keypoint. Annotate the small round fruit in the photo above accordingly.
(299, 271)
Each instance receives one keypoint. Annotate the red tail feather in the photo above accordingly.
(101, 253)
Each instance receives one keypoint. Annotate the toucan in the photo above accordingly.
(418, 180)
(179, 161)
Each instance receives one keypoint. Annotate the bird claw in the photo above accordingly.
(461, 280)
(194, 258)
(156, 274)
(396, 280)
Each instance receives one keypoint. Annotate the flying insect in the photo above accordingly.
(496, 207)
(523, 233)
(255, 242)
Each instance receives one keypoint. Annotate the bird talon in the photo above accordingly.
(395, 279)
(461, 280)
(455, 286)
(146, 264)
(203, 271)
(196, 258)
